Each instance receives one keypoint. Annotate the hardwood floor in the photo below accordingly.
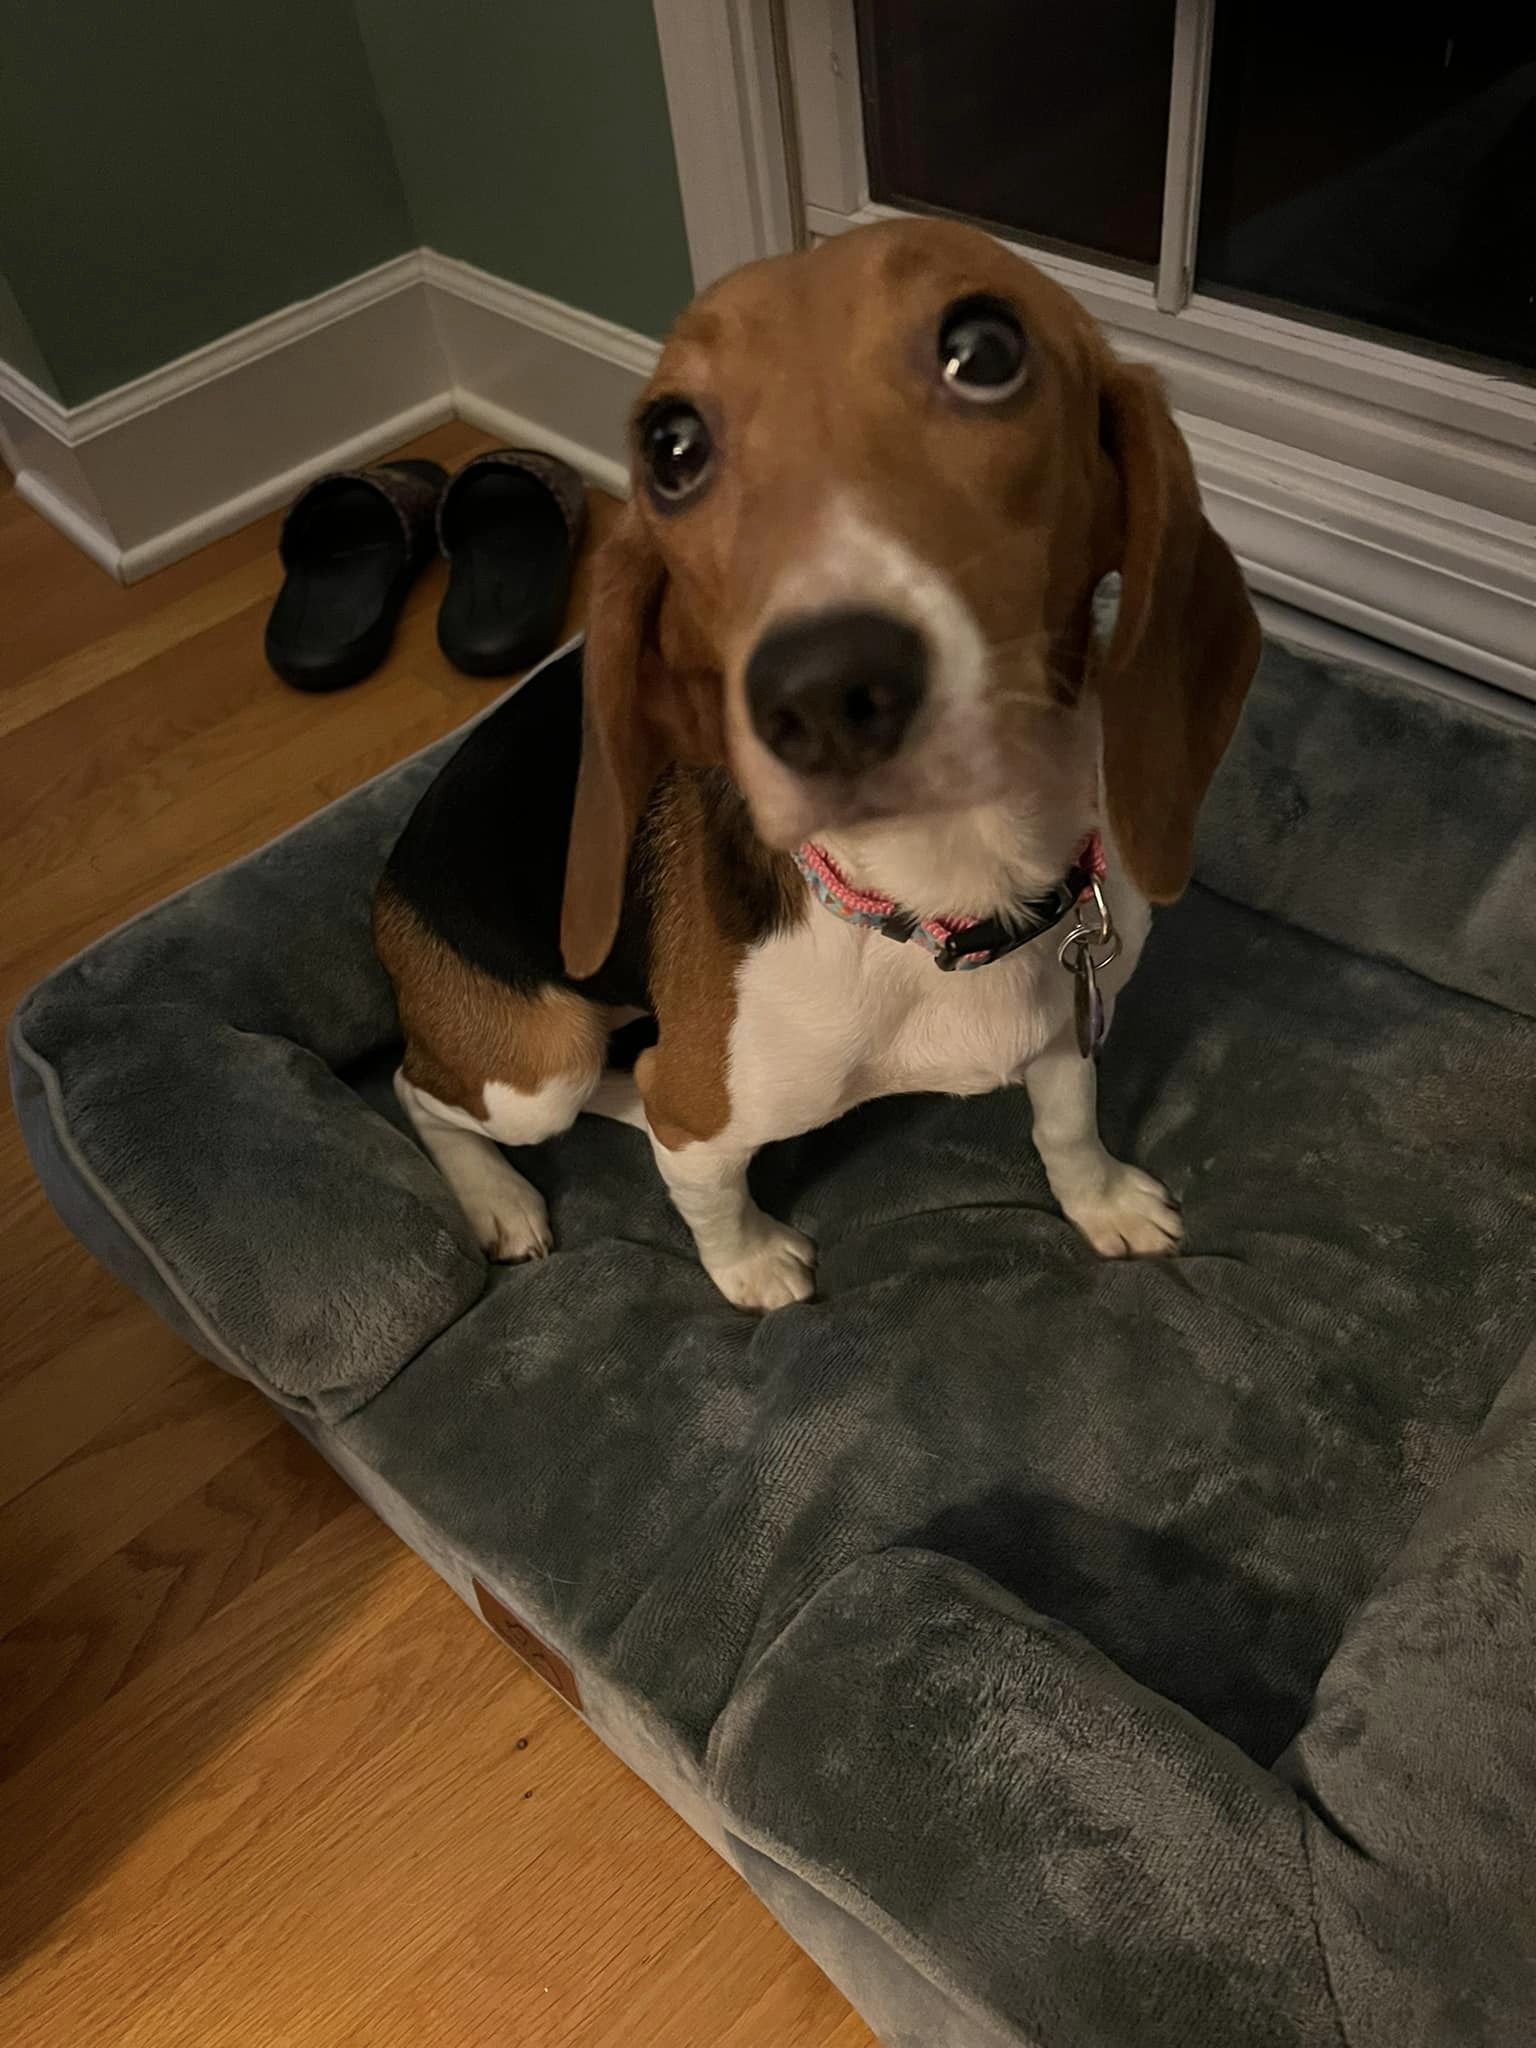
(267, 1784)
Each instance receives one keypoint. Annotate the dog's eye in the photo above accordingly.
(981, 350)
(676, 448)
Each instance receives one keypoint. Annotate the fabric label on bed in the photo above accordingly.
(536, 1654)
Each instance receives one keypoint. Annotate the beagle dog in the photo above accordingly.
(841, 726)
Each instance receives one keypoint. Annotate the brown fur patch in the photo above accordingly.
(464, 1028)
(715, 892)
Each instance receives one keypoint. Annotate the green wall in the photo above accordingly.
(171, 169)
(18, 345)
(533, 140)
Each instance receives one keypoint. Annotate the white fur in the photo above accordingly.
(948, 755)
(505, 1211)
(830, 1014)
(1119, 1209)
(755, 1262)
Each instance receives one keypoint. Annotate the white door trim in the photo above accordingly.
(721, 63)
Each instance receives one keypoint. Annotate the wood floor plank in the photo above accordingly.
(61, 1295)
(159, 1588)
(50, 1413)
(54, 1293)
(555, 1851)
(208, 822)
(79, 764)
(102, 768)
(87, 1806)
(77, 674)
(175, 1437)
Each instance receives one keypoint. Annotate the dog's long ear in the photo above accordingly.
(1185, 644)
(623, 749)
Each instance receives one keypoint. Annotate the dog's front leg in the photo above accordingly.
(754, 1261)
(1122, 1211)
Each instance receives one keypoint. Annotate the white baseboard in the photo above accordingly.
(70, 517)
(169, 543)
(157, 468)
(518, 431)
(536, 372)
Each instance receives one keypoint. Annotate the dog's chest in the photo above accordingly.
(832, 1014)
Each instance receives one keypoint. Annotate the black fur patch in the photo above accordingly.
(482, 860)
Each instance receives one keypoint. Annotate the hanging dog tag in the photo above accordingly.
(1087, 1003)
(1076, 954)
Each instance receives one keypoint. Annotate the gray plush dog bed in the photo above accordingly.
(1069, 1653)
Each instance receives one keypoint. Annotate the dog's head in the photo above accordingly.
(876, 486)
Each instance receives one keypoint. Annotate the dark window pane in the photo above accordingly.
(1048, 119)
(1378, 163)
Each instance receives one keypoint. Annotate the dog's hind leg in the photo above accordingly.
(487, 1064)
(505, 1210)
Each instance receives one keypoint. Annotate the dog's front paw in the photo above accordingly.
(507, 1215)
(1127, 1215)
(777, 1268)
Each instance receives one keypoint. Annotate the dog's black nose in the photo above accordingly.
(834, 693)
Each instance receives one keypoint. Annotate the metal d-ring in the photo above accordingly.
(1087, 936)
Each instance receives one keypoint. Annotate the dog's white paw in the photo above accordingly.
(1128, 1215)
(508, 1216)
(778, 1268)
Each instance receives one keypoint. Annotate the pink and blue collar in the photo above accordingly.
(956, 943)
